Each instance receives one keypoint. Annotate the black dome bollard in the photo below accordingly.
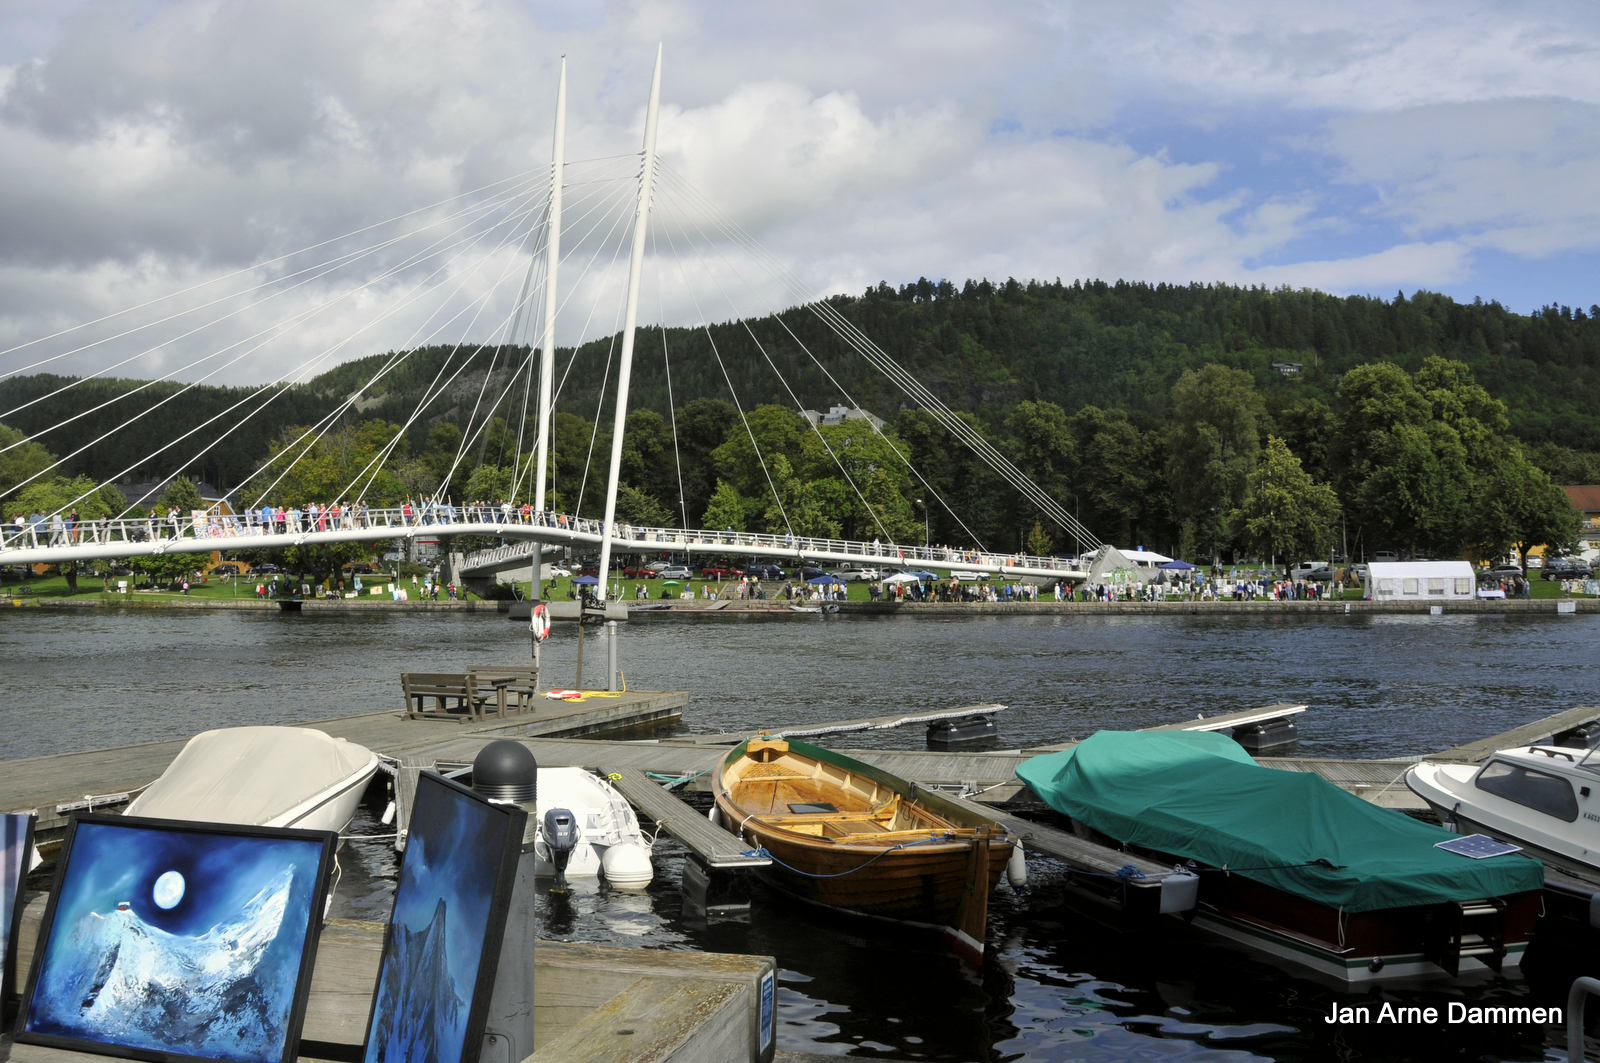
(506, 772)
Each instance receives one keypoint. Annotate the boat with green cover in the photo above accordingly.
(1290, 864)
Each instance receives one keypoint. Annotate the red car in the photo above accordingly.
(721, 572)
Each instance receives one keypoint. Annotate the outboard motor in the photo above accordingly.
(560, 838)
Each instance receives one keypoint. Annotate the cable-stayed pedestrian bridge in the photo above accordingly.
(497, 384)
(57, 542)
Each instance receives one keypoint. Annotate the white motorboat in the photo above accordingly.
(609, 842)
(263, 776)
(1542, 798)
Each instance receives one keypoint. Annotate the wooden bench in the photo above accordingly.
(455, 696)
(519, 683)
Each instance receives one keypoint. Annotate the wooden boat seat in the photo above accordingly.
(771, 772)
(844, 828)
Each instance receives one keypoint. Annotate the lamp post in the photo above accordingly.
(924, 506)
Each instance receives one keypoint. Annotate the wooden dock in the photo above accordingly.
(678, 1005)
(54, 786)
(867, 723)
(717, 848)
(1539, 732)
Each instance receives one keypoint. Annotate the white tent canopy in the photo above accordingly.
(1420, 581)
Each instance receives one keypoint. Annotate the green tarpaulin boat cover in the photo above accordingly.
(1199, 796)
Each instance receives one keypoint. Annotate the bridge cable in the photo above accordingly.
(527, 176)
(871, 511)
(304, 315)
(849, 398)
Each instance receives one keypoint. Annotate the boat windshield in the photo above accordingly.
(1537, 790)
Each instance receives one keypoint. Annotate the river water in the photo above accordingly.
(1058, 986)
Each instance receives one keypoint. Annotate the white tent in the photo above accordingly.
(1420, 581)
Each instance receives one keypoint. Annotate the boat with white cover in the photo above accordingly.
(609, 841)
(262, 776)
(1543, 798)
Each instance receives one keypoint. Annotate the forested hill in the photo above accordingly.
(982, 347)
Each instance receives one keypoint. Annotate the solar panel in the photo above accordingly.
(1478, 846)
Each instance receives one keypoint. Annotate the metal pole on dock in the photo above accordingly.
(611, 653)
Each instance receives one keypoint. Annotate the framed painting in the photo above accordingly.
(443, 942)
(170, 941)
(16, 850)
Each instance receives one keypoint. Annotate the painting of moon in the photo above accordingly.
(168, 941)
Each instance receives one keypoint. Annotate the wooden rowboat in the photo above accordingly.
(848, 835)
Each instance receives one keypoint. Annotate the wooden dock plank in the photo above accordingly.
(868, 723)
(1527, 735)
(718, 848)
(1380, 781)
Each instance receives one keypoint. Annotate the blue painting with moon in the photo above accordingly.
(443, 908)
(178, 942)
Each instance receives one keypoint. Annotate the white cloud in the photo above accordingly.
(144, 149)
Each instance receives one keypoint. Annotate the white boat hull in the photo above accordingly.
(1450, 790)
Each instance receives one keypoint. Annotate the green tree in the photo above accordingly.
(636, 507)
(1038, 540)
(805, 509)
(1286, 514)
(18, 460)
(183, 495)
(748, 459)
(1518, 508)
(1404, 474)
(58, 494)
(1120, 483)
(726, 509)
(1212, 446)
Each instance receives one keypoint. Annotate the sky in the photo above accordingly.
(1362, 147)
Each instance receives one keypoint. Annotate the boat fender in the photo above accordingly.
(714, 816)
(388, 814)
(1180, 891)
(1594, 910)
(1017, 868)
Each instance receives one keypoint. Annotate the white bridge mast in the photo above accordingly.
(641, 223)
(547, 357)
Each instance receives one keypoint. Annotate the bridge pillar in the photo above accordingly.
(611, 654)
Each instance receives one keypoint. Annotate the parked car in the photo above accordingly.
(227, 568)
(1567, 568)
(677, 572)
(851, 572)
(265, 569)
(721, 572)
(657, 566)
(1316, 571)
(760, 570)
(559, 572)
(806, 573)
(1503, 570)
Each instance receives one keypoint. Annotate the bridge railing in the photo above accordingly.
(225, 530)
(633, 537)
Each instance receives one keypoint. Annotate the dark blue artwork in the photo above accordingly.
(180, 942)
(16, 847)
(449, 912)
